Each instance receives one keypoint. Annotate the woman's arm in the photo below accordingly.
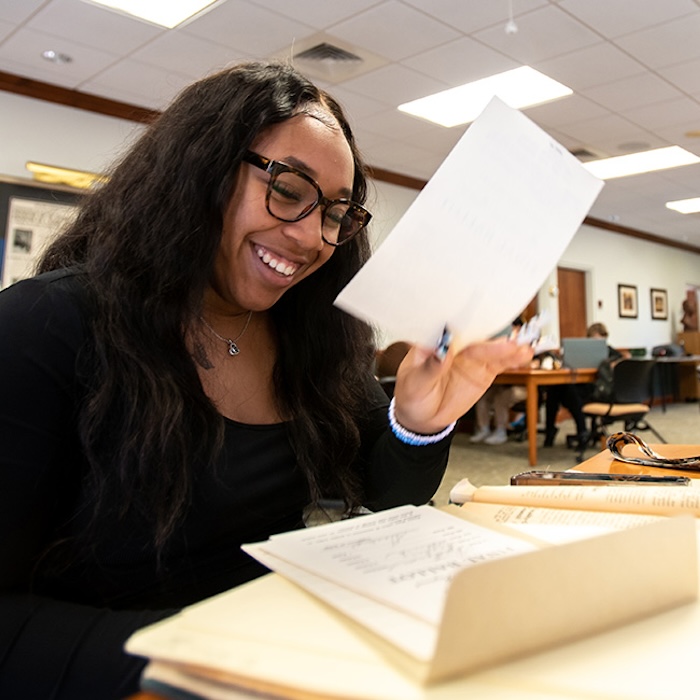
(397, 473)
(48, 648)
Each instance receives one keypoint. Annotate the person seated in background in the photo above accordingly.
(573, 396)
(497, 401)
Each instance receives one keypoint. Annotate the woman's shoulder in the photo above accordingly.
(57, 298)
(68, 283)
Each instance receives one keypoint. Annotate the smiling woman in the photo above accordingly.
(175, 381)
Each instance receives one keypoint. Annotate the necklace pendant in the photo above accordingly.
(233, 349)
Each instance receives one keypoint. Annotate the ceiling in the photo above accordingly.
(634, 67)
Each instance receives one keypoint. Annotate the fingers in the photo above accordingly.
(495, 355)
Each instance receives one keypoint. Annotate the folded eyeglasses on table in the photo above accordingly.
(617, 442)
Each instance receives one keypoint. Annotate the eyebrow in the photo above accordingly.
(300, 165)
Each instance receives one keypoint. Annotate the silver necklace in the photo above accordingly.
(233, 349)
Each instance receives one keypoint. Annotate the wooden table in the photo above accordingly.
(603, 462)
(532, 379)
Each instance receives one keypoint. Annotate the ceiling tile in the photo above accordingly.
(542, 34)
(186, 54)
(607, 133)
(613, 18)
(394, 84)
(93, 26)
(632, 92)
(460, 61)
(357, 106)
(25, 48)
(472, 15)
(663, 114)
(399, 126)
(411, 32)
(16, 11)
(251, 29)
(593, 65)
(320, 15)
(566, 110)
(154, 88)
(666, 44)
(6, 29)
(685, 76)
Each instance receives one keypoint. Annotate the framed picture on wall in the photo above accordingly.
(30, 216)
(627, 300)
(659, 304)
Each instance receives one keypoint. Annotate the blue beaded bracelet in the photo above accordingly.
(415, 438)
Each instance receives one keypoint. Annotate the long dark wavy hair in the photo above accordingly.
(146, 241)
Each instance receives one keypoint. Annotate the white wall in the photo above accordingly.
(36, 130)
(57, 135)
(611, 259)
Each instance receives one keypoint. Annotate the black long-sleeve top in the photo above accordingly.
(62, 627)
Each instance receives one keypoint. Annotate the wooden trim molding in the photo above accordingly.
(113, 108)
(643, 235)
(73, 98)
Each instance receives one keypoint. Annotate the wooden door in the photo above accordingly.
(573, 321)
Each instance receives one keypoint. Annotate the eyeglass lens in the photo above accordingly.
(291, 197)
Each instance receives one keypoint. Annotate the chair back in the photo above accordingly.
(632, 381)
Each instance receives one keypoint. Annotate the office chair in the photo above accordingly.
(630, 402)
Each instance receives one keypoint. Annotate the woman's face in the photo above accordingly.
(261, 257)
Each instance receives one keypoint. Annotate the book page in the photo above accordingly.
(553, 525)
(644, 500)
(403, 557)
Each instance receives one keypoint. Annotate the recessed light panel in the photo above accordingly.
(644, 162)
(165, 13)
(518, 88)
(685, 206)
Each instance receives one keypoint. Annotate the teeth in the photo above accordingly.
(275, 264)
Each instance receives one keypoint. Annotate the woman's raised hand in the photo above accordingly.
(431, 393)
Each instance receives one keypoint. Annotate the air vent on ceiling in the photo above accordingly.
(327, 52)
(330, 59)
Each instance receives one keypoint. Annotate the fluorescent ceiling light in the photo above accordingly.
(685, 206)
(520, 87)
(644, 162)
(166, 13)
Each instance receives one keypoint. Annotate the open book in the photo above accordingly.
(631, 499)
(408, 602)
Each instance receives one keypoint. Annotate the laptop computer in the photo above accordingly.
(583, 352)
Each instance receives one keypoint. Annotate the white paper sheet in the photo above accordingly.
(403, 557)
(416, 637)
(481, 237)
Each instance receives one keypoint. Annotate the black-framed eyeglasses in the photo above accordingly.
(293, 195)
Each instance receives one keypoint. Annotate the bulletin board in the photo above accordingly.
(30, 216)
